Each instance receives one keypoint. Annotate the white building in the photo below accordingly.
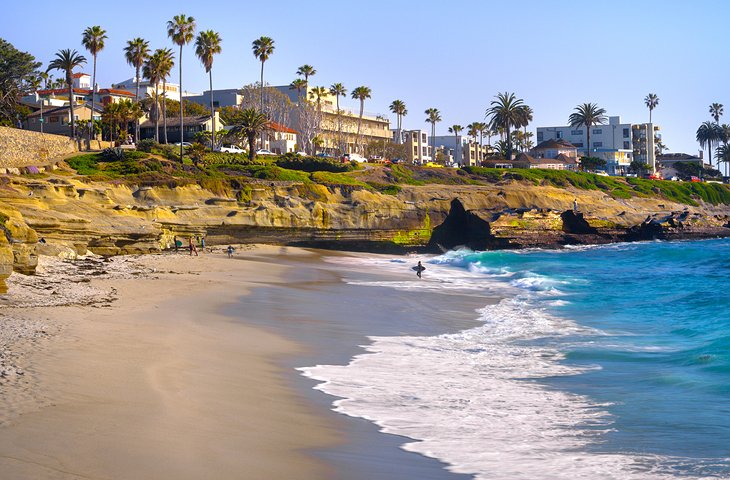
(418, 149)
(146, 88)
(228, 97)
(617, 143)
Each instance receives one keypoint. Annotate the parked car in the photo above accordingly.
(433, 165)
(695, 179)
(263, 151)
(184, 144)
(355, 157)
(231, 149)
(602, 173)
(302, 154)
(323, 155)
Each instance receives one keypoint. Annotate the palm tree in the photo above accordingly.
(433, 117)
(251, 124)
(480, 127)
(399, 108)
(716, 111)
(167, 61)
(262, 48)
(93, 40)
(456, 129)
(316, 94)
(525, 117)
(505, 112)
(298, 85)
(587, 114)
(152, 71)
(306, 71)
(722, 154)
(338, 89)
(67, 60)
(136, 52)
(360, 93)
(651, 101)
(181, 30)
(707, 135)
(207, 45)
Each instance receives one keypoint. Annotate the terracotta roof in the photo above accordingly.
(277, 127)
(115, 91)
(552, 143)
(80, 74)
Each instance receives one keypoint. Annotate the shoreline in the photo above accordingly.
(132, 391)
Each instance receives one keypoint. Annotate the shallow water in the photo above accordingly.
(600, 362)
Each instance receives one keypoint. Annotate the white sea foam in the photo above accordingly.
(473, 400)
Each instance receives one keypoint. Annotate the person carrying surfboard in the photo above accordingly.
(419, 268)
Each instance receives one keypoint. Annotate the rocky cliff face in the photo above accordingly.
(64, 216)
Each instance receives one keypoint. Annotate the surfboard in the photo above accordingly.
(418, 269)
(178, 243)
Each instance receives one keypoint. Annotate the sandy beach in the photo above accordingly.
(138, 374)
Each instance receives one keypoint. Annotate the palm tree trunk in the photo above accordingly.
(93, 95)
(157, 114)
(181, 106)
(509, 144)
(164, 110)
(136, 99)
(588, 141)
(262, 86)
(339, 125)
(212, 112)
(251, 146)
(359, 126)
(71, 104)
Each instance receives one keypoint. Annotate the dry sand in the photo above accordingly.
(137, 375)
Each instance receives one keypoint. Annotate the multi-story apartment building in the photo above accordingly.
(229, 97)
(337, 131)
(417, 146)
(146, 88)
(617, 143)
(462, 150)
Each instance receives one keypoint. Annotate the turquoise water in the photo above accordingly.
(601, 362)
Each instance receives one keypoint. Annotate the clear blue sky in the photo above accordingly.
(450, 55)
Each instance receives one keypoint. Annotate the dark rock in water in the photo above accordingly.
(573, 222)
(463, 228)
(647, 230)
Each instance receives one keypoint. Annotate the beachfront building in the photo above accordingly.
(336, 133)
(667, 163)
(281, 139)
(462, 149)
(553, 148)
(228, 97)
(617, 143)
(57, 120)
(417, 146)
(191, 127)
(147, 89)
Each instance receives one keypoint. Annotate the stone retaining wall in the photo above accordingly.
(23, 148)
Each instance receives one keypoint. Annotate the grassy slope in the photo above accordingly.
(223, 173)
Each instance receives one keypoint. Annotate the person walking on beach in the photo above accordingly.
(202, 244)
(192, 247)
(575, 204)
(419, 268)
(230, 251)
(174, 239)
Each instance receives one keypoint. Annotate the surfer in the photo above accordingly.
(419, 268)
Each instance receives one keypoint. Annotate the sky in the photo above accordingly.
(454, 56)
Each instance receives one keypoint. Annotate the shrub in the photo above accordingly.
(112, 154)
(86, 164)
(329, 178)
(147, 145)
(311, 164)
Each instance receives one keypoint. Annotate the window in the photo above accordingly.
(626, 133)
(576, 132)
(579, 144)
(423, 137)
(425, 150)
(597, 131)
(415, 151)
(627, 146)
(597, 144)
(558, 135)
(539, 136)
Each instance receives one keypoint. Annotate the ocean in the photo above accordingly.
(608, 362)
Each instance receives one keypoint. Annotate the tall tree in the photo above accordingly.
(361, 93)
(250, 123)
(207, 45)
(93, 40)
(505, 112)
(716, 111)
(152, 70)
(651, 101)
(16, 69)
(181, 30)
(136, 52)
(456, 130)
(708, 134)
(338, 90)
(262, 48)
(587, 114)
(433, 116)
(525, 114)
(66, 60)
(166, 62)
(398, 107)
(306, 71)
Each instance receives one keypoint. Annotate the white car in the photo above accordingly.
(231, 149)
(263, 151)
(184, 144)
(356, 157)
